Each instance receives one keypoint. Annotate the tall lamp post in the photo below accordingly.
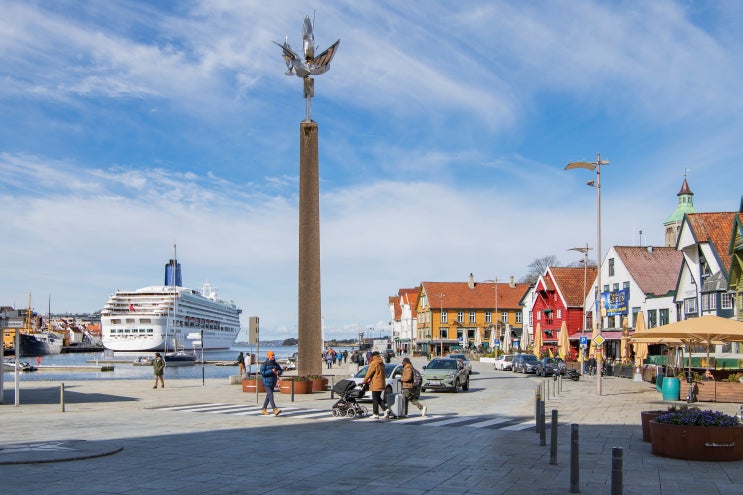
(495, 314)
(596, 166)
(584, 251)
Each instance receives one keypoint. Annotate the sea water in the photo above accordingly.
(125, 370)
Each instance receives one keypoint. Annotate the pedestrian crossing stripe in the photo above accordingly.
(506, 423)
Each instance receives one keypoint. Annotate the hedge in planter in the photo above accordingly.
(697, 435)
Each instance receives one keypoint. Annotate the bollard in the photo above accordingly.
(616, 470)
(542, 428)
(553, 438)
(574, 457)
(332, 386)
(292, 391)
(61, 396)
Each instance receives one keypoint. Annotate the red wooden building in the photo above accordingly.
(558, 296)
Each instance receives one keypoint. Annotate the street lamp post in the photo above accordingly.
(495, 314)
(583, 250)
(597, 184)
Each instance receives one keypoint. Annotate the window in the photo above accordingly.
(531, 319)
(539, 316)
(705, 302)
(444, 316)
(664, 313)
(460, 316)
(611, 267)
(444, 333)
(625, 285)
(488, 317)
(606, 288)
(472, 317)
(616, 287)
(652, 318)
(690, 306)
(504, 317)
(519, 317)
(713, 301)
(726, 301)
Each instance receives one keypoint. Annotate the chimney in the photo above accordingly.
(471, 283)
(512, 283)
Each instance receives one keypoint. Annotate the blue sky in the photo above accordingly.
(445, 128)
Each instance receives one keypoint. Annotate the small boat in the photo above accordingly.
(22, 365)
(179, 358)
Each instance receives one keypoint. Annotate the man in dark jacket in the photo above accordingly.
(158, 366)
(270, 373)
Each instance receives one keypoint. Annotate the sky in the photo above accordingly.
(128, 127)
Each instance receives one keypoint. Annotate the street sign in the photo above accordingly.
(598, 340)
(583, 341)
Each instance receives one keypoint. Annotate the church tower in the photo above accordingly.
(685, 205)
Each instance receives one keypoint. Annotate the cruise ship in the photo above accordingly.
(162, 317)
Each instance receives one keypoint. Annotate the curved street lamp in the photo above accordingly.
(597, 184)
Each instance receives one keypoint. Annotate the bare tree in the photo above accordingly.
(538, 267)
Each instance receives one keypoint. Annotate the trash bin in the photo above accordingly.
(671, 388)
(659, 380)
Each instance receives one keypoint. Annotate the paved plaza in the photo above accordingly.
(123, 437)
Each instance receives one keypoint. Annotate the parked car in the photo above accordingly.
(392, 374)
(504, 362)
(551, 366)
(463, 358)
(525, 363)
(445, 374)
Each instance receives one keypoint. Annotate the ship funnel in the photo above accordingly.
(173, 269)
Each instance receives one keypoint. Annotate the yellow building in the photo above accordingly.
(468, 314)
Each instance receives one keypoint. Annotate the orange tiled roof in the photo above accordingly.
(715, 229)
(655, 269)
(570, 282)
(458, 295)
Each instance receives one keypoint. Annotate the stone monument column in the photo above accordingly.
(309, 310)
(309, 315)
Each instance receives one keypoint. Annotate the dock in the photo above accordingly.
(81, 367)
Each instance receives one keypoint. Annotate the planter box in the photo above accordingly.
(285, 387)
(645, 418)
(318, 385)
(697, 443)
(249, 385)
(714, 391)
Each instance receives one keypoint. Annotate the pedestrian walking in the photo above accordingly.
(345, 356)
(270, 373)
(409, 389)
(158, 366)
(241, 364)
(591, 365)
(375, 377)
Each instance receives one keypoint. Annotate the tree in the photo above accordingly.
(538, 267)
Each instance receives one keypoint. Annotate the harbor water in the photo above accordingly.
(124, 369)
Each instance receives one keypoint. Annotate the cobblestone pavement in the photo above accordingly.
(122, 437)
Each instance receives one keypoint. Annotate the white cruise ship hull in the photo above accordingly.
(161, 318)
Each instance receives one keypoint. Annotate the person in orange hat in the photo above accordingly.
(270, 372)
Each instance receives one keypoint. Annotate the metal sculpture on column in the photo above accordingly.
(309, 315)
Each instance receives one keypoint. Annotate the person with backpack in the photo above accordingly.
(411, 383)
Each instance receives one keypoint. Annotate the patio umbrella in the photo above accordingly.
(707, 330)
(525, 339)
(624, 350)
(538, 340)
(563, 341)
(507, 339)
(641, 348)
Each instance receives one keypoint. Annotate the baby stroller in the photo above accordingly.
(347, 405)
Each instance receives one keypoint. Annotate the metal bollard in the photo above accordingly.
(292, 391)
(574, 460)
(617, 471)
(61, 396)
(543, 428)
(332, 386)
(537, 400)
(553, 438)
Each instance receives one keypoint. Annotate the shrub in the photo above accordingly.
(695, 417)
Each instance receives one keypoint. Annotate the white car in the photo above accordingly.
(504, 362)
(392, 375)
